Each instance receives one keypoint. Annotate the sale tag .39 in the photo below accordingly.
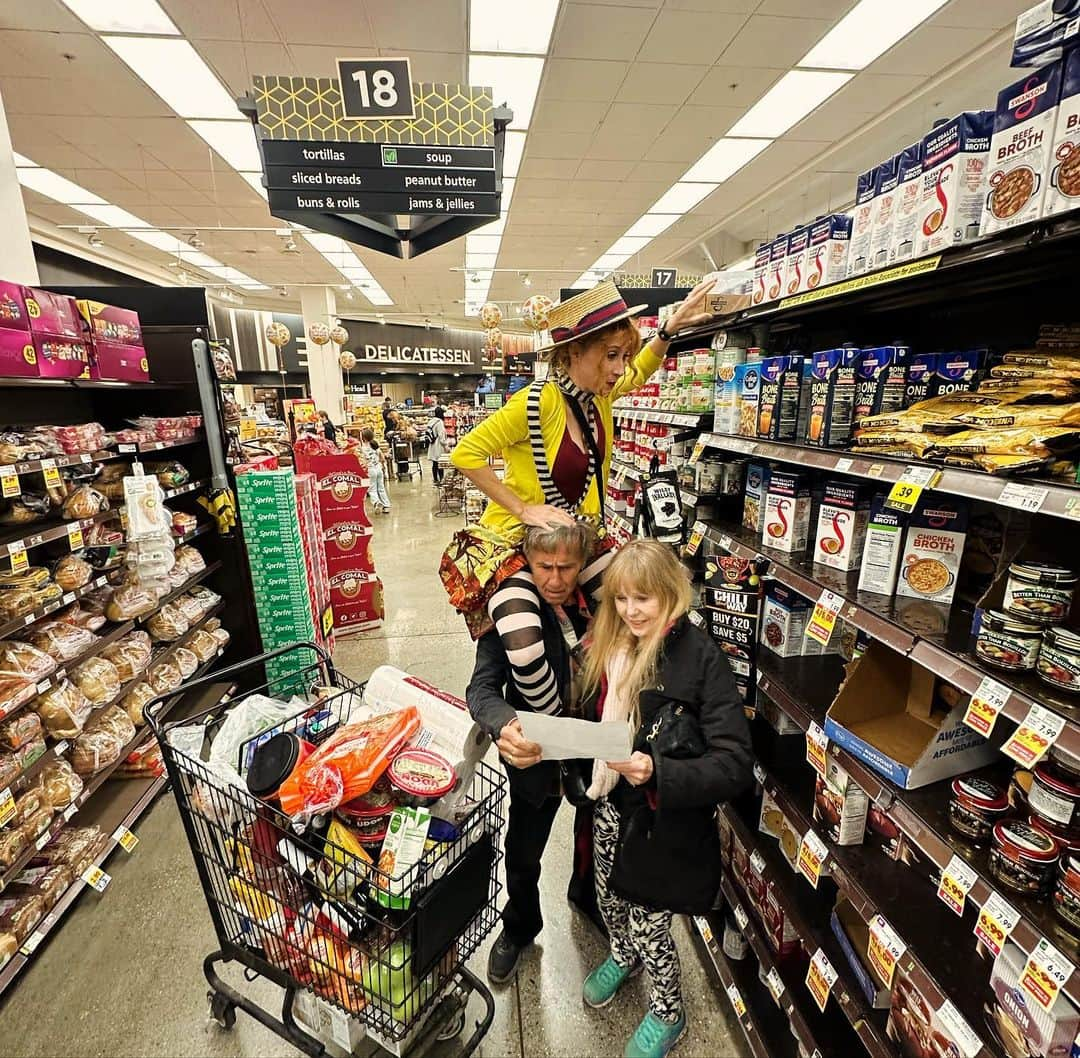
(904, 495)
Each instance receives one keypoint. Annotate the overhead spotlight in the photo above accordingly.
(95, 240)
(526, 280)
(195, 242)
(283, 291)
(290, 246)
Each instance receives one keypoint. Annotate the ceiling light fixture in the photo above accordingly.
(233, 140)
(724, 158)
(53, 185)
(513, 149)
(682, 197)
(526, 280)
(283, 292)
(797, 94)
(495, 25)
(290, 246)
(868, 30)
(124, 16)
(651, 225)
(513, 79)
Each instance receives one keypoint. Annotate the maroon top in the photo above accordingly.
(570, 472)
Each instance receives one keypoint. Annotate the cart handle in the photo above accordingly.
(153, 707)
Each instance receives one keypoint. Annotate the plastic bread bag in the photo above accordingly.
(170, 475)
(168, 624)
(186, 661)
(25, 661)
(134, 702)
(18, 731)
(71, 572)
(95, 750)
(29, 579)
(48, 883)
(165, 676)
(64, 710)
(12, 845)
(116, 722)
(254, 715)
(129, 601)
(9, 769)
(79, 617)
(130, 655)
(70, 846)
(97, 679)
(347, 764)
(36, 823)
(84, 502)
(28, 754)
(28, 805)
(203, 645)
(19, 915)
(190, 559)
(61, 640)
(59, 784)
(16, 602)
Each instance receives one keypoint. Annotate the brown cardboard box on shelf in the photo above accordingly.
(889, 715)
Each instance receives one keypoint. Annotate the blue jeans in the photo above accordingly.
(377, 491)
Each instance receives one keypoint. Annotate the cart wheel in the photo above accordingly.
(453, 1027)
(221, 1010)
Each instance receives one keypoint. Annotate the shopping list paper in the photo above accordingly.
(564, 738)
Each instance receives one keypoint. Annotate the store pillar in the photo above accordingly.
(319, 305)
(19, 263)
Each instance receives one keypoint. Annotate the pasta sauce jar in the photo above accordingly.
(1023, 859)
(1039, 592)
(975, 806)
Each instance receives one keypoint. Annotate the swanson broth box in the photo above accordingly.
(778, 251)
(905, 224)
(1021, 149)
(832, 397)
(881, 548)
(761, 274)
(1063, 193)
(827, 254)
(862, 221)
(778, 404)
(881, 214)
(933, 547)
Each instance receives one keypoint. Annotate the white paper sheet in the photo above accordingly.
(564, 738)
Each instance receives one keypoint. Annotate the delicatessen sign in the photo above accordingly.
(399, 348)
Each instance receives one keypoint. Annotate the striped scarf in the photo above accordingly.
(571, 391)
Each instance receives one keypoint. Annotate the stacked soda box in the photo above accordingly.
(279, 568)
(311, 532)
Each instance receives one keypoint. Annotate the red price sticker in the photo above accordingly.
(956, 881)
(813, 852)
(884, 949)
(820, 978)
(987, 701)
(1038, 732)
(997, 920)
(1045, 974)
(817, 744)
(9, 482)
(823, 619)
(697, 534)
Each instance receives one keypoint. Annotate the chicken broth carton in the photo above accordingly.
(881, 213)
(1063, 193)
(862, 221)
(841, 525)
(828, 250)
(933, 547)
(905, 225)
(953, 181)
(1021, 150)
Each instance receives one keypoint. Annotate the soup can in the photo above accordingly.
(1008, 643)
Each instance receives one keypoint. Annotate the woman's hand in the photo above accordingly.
(545, 516)
(692, 311)
(637, 771)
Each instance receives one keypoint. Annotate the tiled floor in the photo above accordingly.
(124, 975)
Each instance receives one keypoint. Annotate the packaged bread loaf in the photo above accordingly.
(165, 676)
(81, 617)
(97, 679)
(26, 509)
(190, 559)
(16, 602)
(59, 784)
(130, 655)
(25, 661)
(20, 914)
(134, 702)
(186, 661)
(71, 847)
(47, 594)
(129, 601)
(9, 769)
(64, 710)
(48, 883)
(29, 579)
(18, 731)
(26, 755)
(12, 845)
(95, 750)
(84, 502)
(27, 804)
(36, 824)
(8, 947)
(72, 572)
(221, 635)
(168, 624)
(14, 691)
(116, 722)
(203, 645)
(61, 640)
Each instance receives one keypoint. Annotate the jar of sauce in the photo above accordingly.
(1023, 859)
(975, 806)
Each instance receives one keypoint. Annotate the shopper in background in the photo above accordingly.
(387, 413)
(328, 428)
(438, 446)
(654, 836)
(376, 466)
(556, 439)
(556, 557)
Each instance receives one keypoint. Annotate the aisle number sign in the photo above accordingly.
(987, 701)
(884, 949)
(904, 495)
(1039, 730)
(817, 744)
(956, 881)
(997, 920)
(820, 978)
(1045, 974)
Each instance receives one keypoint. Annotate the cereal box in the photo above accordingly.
(1021, 149)
(778, 251)
(882, 212)
(1063, 193)
(795, 269)
(828, 251)
(1045, 32)
(862, 222)
(749, 393)
(778, 405)
(761, 274)
(841, 526)
(933, 546)
(880, 375)
(881, 548)
(953, 181)
(905, 224)
(757, 482)
(832, 397)
(787, 512)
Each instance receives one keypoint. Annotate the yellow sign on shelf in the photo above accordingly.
(874, 279)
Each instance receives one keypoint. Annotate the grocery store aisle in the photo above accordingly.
(123, 977)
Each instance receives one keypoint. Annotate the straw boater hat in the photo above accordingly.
(587, 312)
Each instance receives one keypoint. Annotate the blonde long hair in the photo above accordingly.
(642, 567)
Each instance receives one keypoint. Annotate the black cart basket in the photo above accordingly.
(383, 953)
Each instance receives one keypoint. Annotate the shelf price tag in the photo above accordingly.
(248, 430)
(1023, 497)
(813, 852)
(759, 774)
(820, 978)
(741, 917)
(125, 839)
(817, 744)
(31, 944)
(9, 482)
(51, 474)
(75, 537)
(843, 465)
(775, 983)
(96, 878)
(697, 534)
(960, 1030)
(904, 495)
(1038, 732)
(703, 928)
(997, 920)
(20, 561)
(7, 806)
(327, 621)
(884, 949)
(987, 701)
(698, 452)
(956, 881)
(1045, 974)
(736, 1001)
(823, 619)
(757, 861)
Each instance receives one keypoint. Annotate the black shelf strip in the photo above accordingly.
(53, 531)
(17, 624)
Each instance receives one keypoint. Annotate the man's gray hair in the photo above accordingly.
(579, 539)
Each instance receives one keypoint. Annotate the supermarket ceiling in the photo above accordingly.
(672, 131)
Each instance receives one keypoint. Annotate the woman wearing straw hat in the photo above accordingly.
(556, 439)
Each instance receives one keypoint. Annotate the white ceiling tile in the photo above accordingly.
(544, 168)
(692, 131)
(583, 80)
(734, 86)
(628, 129)
(931, 49)
(734, 6)
(979, 14)
(659, 82)
(237, 63)
(830, 10)
(597, 31)
(562, 115)
(570, 145)
(237, 20)
(607, 169)
(692, 36)
(405, 25)
(776, 43)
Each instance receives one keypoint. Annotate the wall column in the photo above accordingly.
(319, 305)
(19, 263)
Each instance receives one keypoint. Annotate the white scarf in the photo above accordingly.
(617, 709)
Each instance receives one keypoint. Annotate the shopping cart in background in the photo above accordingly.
(305, 913)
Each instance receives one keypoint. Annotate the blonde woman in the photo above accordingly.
(655, 842)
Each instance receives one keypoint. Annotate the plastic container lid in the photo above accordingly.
(998, 621)
(273, 762)
(422, 773)
(1059, 785)
(1042, 572)
(981, 793)
(1025, 842)
(1067, 838)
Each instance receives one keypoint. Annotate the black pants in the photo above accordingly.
(436, 471)
(526, 838)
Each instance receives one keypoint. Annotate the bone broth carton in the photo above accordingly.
(908, 198)
(778, 405)
(953, 181)
(832, 397)
(841, 525)
(922, 368)
(827, 253)
(881, 214)
(1063, 193)
(955, 372)
(880, 375)
(1021, 149)
(795, 270)
(787, 512)
(862, 222)
(761, 274)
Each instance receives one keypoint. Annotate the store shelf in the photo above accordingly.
(619, 468)
(52, 532)
(36, 466)
(621, 523)
(17, 624)
(931, 634)
(156, 446)
(199, 530)
(195, 578)
(1062, 500)
(84, 383)
(691, 419)
(183, 490)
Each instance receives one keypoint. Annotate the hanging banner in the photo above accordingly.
(398, 348)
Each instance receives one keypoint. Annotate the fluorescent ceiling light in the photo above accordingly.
(723, 158)
(680, 198)
(114, 216)
(794, 96)
(380, 299)
(494, 228)
(22, 162)
(628, 244)
(198, 259)
(233, 140)
(609, 260)
(868, 30)
(512, 152)
(175, 71)
(124, 16)
(162, 240)
(255, 180)
(495, 25)
(651, 225)
(514, 80)
(53, 185)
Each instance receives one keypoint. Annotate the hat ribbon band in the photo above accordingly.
(590, 321)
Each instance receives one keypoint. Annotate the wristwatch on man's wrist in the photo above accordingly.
(664, 334)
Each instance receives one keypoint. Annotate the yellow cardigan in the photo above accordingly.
(507, 431)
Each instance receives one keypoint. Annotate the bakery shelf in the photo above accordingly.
(802, 688)
(199, 530)
(155, 446)
(1062, 500)
(931, 634)
(693, 420)
(798, 901)
(36, 466)
(52, 532)
(933, 934)
(17, 624)
(183, 490)
(196, 578)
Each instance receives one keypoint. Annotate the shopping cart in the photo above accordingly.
(310, 916)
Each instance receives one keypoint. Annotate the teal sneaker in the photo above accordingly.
(602, 984)
(654, 1038)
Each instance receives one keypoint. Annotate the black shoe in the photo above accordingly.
(503, 960)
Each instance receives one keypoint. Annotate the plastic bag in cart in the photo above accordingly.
(247, 719)
(348, 764)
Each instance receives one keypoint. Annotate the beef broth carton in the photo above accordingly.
(862, 222)
(778, 405)
(908, 198)
(881, 548)
(841, 525)
(1021, 150)
(1063, 193)
(953, 181)
(787, 512)
(880, 375)
(761, 274)
(795, 269)
(827, 253)
(882, 213)
(832, 397)
(933, 547)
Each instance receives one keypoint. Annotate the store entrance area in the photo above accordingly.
(124, 975)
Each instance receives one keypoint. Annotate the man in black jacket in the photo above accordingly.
(556, 557)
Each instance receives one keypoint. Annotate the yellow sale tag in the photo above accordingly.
(125, 839)
(997, 920)
(884, 949)
(327, 621)
(9, 482)
(248, 430)
(904, 495)
(697, 534)
(97, 878)
(696, 454)
(51, 474)
(987, 701)
(1038, 732)
(813, 852)
(20, 561)
(704, 928)
(823, 619)
(75, 537)
(820, 978)
(1045, 974)
(7, 806)
(956, 881)
(736, 1001)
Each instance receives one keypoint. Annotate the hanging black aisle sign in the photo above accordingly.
(401, 348)
(400, 185)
